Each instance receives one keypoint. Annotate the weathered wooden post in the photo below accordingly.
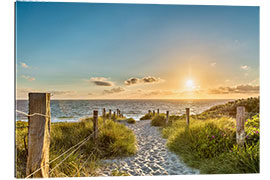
(154, 112)
(240, 125)
(104, 115)
(167, 117)
(38, 135)
(95, 124)
(114, 116)
(157, 111)
(187, 116)
(149, 112)
(110, 114)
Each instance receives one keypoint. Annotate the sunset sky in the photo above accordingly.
(135, 51)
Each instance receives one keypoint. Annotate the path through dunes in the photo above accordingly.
(152, 157)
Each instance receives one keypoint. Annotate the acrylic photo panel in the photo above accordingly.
(109, 89)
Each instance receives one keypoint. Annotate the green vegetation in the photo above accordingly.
(252, 106)
(158, 120)
(210, 142)
(147, 116)
(119, 173)
(131, 121)
(114, 140)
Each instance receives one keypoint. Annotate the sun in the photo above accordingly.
(189, 83)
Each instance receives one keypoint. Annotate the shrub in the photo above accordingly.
(131, 121)
(158, 120)
(147, 116)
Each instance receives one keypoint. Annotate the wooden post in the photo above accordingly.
(153, 112)
(104, 115)
(95, 124)
(157, 111)
(39, 135)
(240, 125)
(187, 116)
(114, 116)
(167, 117)
(149, 112)
(110, 114)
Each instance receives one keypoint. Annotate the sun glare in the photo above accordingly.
(189, 83)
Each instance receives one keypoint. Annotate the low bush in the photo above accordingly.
(147, 116)
(131, 121)
(159, 120)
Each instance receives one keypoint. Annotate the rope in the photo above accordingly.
(84, 163)
(30, 115)
(70, 154)
(80, 143)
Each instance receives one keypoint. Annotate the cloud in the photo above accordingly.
(241, 89)
(131, 81)
(28, 78)
(114, 90)
(62, 92)
(144, 80)
(24, 65)
(213, 64)
(245, 67)
(101, 81)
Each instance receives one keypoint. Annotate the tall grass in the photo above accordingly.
(114, 140)
(209, 144)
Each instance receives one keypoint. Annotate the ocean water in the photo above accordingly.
(74, 110)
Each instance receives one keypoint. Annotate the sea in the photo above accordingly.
(74, 110)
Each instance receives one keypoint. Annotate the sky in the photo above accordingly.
(136, 51)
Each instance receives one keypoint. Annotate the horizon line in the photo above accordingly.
(152, 99)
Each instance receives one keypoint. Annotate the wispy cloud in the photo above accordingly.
(62, 92)
(24, 65)
(144, 80)
(101, 81)
(245, 67)
(241, 89)
(114, 90)
(213, 64)
(28, 78)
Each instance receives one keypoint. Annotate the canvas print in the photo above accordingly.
(108, 89)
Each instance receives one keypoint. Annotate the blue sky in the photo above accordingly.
(66, 47)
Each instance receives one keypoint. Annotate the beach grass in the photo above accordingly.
(209, 144)
(131, 121)
(114, 140)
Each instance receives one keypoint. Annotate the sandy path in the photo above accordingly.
(152, 158)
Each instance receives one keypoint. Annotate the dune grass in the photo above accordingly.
(209, 144)
(131, 121)
(147, 116)
(114, 140)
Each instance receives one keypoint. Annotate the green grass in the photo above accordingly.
(147, 116)
(114, 140)
(210, 142)
(131, 121)
(158, 120)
